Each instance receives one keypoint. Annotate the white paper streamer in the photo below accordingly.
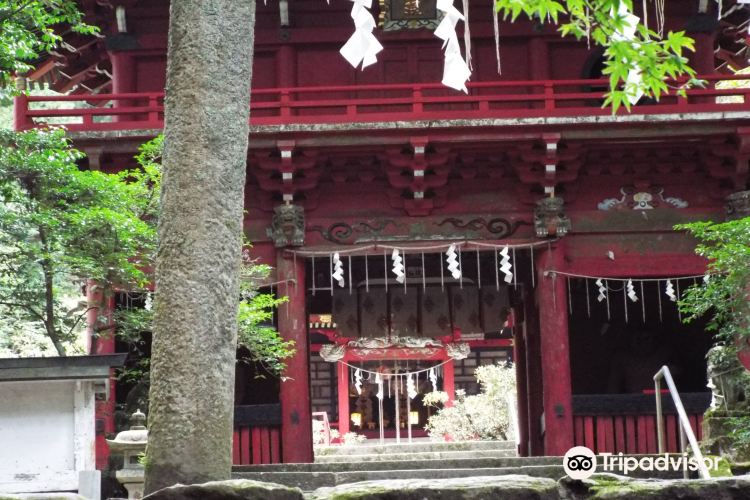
(505, 265)
(379, 382)
(338, 270)
(358, 381)
(496, 27)
(433, 379)
(634, 78)
(602, 290)
(411, 389)
(452, 260)
(456, 71)
(398, 266)
(631, 291)
(362, 46)
(669, 291)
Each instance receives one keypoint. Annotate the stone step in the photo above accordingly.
(309, 481)
(455, 463)
(424, 455)
(415, 447)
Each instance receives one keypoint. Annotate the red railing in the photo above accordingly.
(374, 103)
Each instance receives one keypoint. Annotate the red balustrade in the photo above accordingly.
(375, 103)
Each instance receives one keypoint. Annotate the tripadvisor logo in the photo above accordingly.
(579, 462)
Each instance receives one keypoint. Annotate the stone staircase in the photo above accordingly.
(335, 465)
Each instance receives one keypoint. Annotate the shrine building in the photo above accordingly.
(421, 230)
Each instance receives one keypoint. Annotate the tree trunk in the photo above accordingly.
(49, 296)
(197, 264)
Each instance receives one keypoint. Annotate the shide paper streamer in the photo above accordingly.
(362, 46)
(634, 78)
(456, 71)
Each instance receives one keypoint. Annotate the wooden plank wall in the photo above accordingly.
(256, 445)
(632, 434)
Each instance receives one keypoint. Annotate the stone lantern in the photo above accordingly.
(131, 444)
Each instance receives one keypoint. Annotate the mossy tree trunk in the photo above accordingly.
(197, 264)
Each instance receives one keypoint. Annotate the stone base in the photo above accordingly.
(510, 487)
(234, 489)
(716, 441)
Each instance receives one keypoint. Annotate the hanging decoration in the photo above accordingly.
(456, 71)
(362, 46)
(602, 290)
(338, 270)
(398, 266)
(505, 265)
(496, 28)
(669, 291)
(631, 291)
(627, 33)
(452, 260)
(358, 381)
(432, 375)
(452, 254)
(379, 382)
(411, 388)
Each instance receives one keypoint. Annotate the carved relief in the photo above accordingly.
(287, 226)
(457, 350)
(550, 218)
(641, 198)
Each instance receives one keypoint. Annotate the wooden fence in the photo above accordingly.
(257, 434)
(627, 422)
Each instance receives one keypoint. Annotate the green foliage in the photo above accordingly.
(255, 333)
(724, 298)
(597, 21)
(30, 27)
(484, 416)
(27, 28)
(740, 434)
(60, 225)
(263, 344)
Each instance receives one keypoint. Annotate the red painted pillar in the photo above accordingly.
(534, 386)
(102, 341)
(342, 374)
(519, 360)
(20, 108)
(553, 327)
(449, 382)
(296, 418)
(124, 79)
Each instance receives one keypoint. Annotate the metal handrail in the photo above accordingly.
(686, 431)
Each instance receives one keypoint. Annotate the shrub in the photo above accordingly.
(484, 416)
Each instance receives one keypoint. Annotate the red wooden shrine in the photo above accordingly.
(349, 161)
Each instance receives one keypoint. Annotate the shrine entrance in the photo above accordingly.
(385, 364)
(387, 328)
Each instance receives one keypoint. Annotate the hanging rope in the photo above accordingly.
(395, 375)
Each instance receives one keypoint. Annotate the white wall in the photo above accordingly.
(36, 426)
(46, 435)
